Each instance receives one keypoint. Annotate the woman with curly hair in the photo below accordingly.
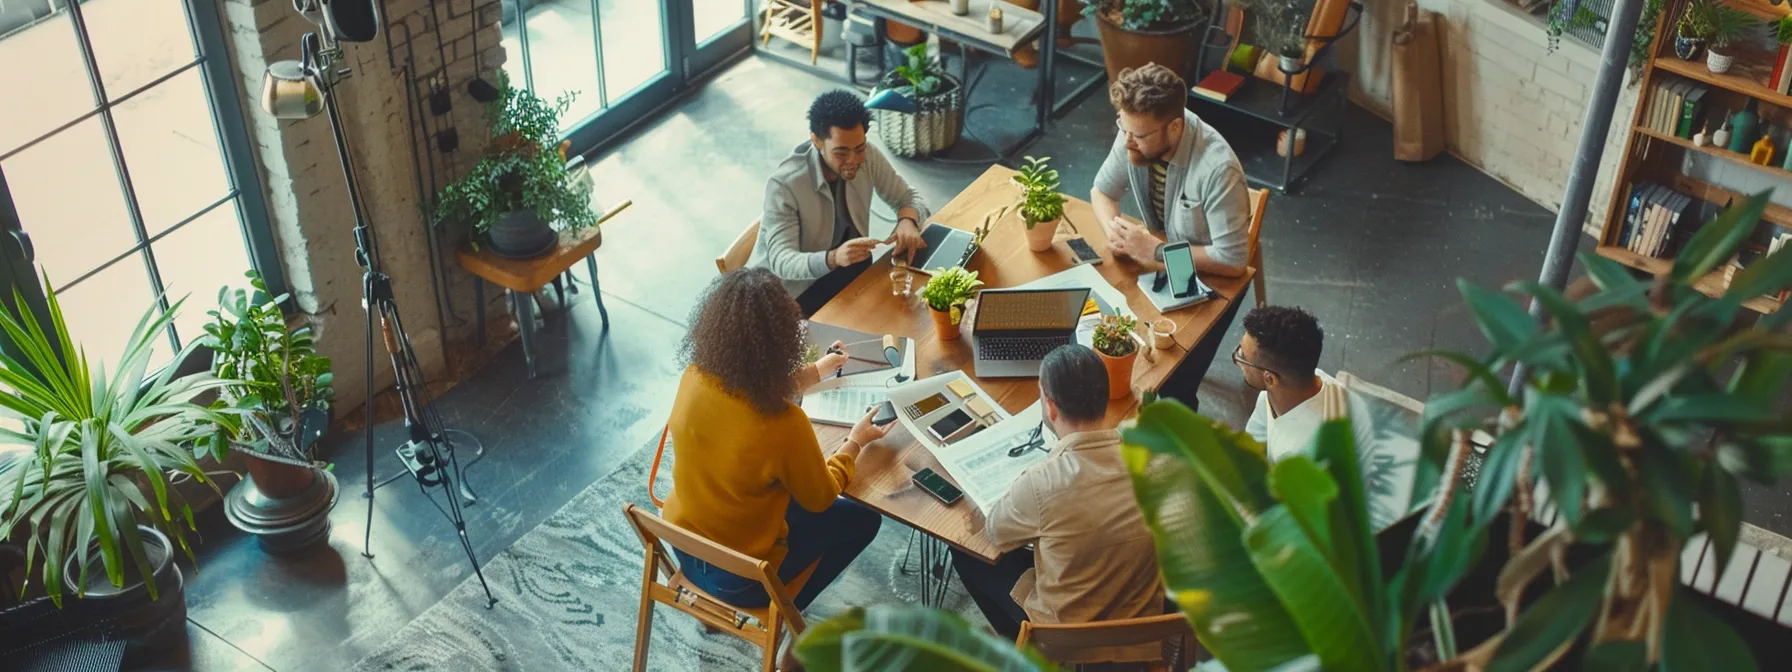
(748, 472)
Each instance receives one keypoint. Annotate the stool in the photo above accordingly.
(860, 33)
(524, 277)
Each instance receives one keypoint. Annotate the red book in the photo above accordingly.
(1219, 85)
(1777, 81)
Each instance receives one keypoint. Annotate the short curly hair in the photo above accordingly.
(1289, 340)
(840, 109)
(1150, 89)
(748, 333)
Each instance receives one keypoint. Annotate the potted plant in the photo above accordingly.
(1280, 27)
(516, 195)
(1113, 340)
(282, 390)
(946, 295)
(1729, 25)
(95, 503)
(1136, 32)
(918, 108)
(1040, 205)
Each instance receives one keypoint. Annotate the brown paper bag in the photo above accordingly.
(1418, 88)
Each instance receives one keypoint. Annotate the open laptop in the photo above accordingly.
(945, 246)
(1015, 328)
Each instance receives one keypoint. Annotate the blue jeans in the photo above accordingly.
(833, 537)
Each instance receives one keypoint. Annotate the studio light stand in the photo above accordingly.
(296, 90)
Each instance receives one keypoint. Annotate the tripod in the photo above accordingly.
(429, 455)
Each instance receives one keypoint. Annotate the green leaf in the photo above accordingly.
(1715, 242)
(1666, 477)
(1353, 552)
(1606, 273)
(1328, 618)
(1231, 462)
(1307, 492)
(1603, 526)
(1692, 640)
(906, 637)
(1499, 470)
(1765, 276)
(1201, 554)
(1559, 451)
(1617, 656)
(1502, 320)
(1711, 409)
(1720, 509)
(1554, 620)
(1599, 377)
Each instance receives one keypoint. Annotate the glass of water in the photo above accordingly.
(902, 280)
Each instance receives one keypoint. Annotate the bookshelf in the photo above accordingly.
(1651, 155)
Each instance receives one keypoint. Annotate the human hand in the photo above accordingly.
(853, 251)
(864, 432)
(907, 238)
(833, 360)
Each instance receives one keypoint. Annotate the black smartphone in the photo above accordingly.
(937, 486)
(1084, 254)
(950, 424)
(886, 414)
(1179, 265)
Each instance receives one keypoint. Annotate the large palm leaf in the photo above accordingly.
(104, 446)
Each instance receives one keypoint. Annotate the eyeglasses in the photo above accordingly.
(1035, 441)
(1137, 137)
(1238, 358)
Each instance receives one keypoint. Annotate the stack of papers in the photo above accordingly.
(980, 463)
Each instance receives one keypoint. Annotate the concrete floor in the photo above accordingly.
(1372, 247)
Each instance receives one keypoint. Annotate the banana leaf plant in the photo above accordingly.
(105, 447)
(1274, 564)
(906, 637)
(1639, 408)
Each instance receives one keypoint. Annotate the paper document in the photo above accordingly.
(985, 464)
(921, 403)
(842, 405)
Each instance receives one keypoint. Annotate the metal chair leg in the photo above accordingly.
(596, 293)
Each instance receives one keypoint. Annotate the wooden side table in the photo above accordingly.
(524, 277)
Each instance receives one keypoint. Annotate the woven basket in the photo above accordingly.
(933, 127)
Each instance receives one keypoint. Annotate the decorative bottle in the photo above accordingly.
(1762, 153)
(1742, 127)
(1721, 138)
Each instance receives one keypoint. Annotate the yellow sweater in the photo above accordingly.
(736, 470)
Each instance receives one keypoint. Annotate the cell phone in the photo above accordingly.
(937, 486)
(950, 424)
(1084, 254)
(1179, 265)
(927, 405)
(886, 414)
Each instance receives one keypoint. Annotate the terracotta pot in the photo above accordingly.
(1039, 238)
(1174, 48)
(280, 481)
(1119, 373)
(903, 34)
(942, 324)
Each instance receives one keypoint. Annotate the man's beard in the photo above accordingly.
(1138, 158)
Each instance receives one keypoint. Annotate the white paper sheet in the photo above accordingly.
(844, 405)
(981, 463)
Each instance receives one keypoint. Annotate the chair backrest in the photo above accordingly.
(655, 531)
(1062, 641)
(740, 250)
(1259, 199)
(654, 474)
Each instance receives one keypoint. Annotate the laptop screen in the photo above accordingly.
(1030, 309)
(944, 246)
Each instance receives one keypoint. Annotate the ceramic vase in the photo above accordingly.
(943, 326)
(1718, 61)
(1119, 373)
(1039, 236)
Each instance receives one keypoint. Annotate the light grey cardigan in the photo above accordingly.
(797, 227)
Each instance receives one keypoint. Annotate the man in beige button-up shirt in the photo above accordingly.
(1093, 558)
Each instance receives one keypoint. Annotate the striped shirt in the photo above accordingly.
(1159, 173)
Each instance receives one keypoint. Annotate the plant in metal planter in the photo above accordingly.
(106, 447)
(918, 109)
(282, 390)
(1641, 408)
(516, 196)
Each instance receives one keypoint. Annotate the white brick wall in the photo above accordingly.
(1511, 108)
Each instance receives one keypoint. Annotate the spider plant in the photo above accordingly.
(105, 445)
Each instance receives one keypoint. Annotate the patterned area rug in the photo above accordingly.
(569, 590)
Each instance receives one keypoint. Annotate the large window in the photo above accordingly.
(124, 153)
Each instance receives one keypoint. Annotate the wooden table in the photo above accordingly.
(524, 277)
(884, 469)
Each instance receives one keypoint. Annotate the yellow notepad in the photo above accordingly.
(960, 387)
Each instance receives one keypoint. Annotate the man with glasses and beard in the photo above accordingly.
(1188, 187)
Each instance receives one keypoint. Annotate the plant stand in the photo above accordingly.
(524, 277)
(284, 524)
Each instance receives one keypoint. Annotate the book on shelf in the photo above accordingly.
(1674, 107)
(1689, 111)
(1781, 79)
(1219, 85)
(1652, 220)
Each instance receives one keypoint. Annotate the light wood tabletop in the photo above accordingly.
(884, 468)
(1019, 25)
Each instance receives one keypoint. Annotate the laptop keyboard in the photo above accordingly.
(1018, 348)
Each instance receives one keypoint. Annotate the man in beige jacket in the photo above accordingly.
(1093, 558)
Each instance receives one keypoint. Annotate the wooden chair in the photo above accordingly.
(654, 473)
(740, 250)
(794, 20)
(1259, 199)
(1061, 642)
(663, 583)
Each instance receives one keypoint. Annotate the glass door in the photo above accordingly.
(622, 58)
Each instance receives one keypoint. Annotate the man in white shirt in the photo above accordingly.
(1093, 558)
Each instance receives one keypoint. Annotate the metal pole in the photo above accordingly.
(1614, 60)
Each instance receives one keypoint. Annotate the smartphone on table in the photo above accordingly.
(948, 427)
(1082, 252)
(886, 413)
(1179, 266)
(938, 486)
